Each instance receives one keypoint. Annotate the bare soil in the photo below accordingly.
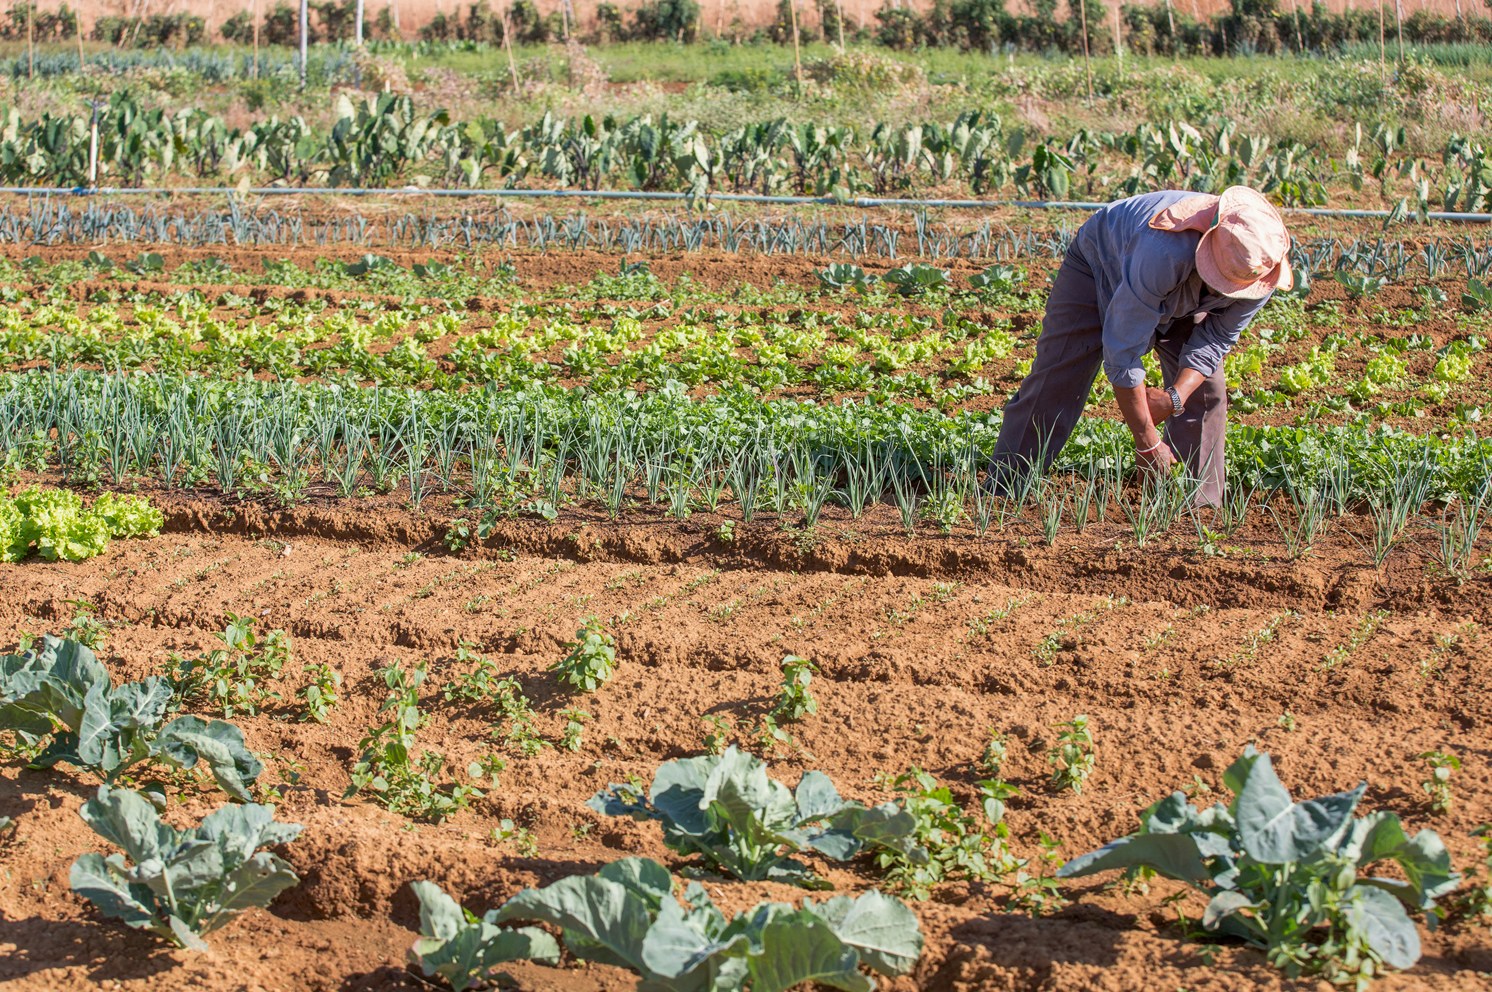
(925, 645)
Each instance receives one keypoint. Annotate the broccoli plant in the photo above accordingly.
(62, 706)
(1290, 877)
(181, 884)
(727, 810)
(591, 661)
(627, 915)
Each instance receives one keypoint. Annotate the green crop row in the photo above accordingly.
(391, 141)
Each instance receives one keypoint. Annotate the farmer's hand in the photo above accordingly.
(1159, 402)
(1153, 455)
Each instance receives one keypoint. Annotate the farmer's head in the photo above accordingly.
(1245, 250)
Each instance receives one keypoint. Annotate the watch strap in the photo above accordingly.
(1176, 405)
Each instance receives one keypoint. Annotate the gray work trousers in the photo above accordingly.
(1069, 353)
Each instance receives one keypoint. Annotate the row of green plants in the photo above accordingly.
(388, 140)
(530, 451)
(1291, 878)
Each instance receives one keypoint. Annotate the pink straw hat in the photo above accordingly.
(1245, 250)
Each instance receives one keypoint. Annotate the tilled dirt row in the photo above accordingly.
(916, 669)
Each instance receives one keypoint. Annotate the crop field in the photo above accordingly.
(407, 586)
(393, 487)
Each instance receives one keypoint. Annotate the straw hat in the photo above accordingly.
(1245, 250)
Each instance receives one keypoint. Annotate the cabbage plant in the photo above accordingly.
(1292, 878)
(62, 705)
(181, 884)
(726, 809)
(627, 915)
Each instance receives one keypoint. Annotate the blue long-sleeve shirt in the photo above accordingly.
(1146, 279)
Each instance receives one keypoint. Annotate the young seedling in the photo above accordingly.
(1438, 785)
(722, 731)
(233, 677)
(794, 700)
(591, 661)
(994, 754)
(320, 694)
(575, 721)
(1072, 758)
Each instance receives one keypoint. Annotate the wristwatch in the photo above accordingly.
(1176, 405)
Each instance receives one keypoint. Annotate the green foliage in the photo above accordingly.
(627, 915)
(917, 279)
(181, 884)
(794, 700)
(591, 661)
(1290, 877)
(388, 767)
(842, 275)
(726, 809)
(55, 524)
(948, 843)
(1437, 787)
(465, 951)
(235, 676)
(320, 693)
(1072, 757)
(61, 704)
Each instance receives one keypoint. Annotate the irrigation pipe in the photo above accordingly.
(862, 202)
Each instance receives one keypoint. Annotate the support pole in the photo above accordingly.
(357, 25)
(508, 47)
(1087, 60)
(305, 28)
(792, 8)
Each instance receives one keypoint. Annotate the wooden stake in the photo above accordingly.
(78, 32)
(1118, 42)
(254, 73)
(357, 25)
(305, 29)
(1299, 37)
(1399, 19)
(1382, 49)
(839, 10)
(508, 47)
(1087, 62)
(792, 8)
(30, 39)
(1175, 41)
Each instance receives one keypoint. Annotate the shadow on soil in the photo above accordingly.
(105, 952)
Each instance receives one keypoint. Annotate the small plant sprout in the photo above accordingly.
(320, 693)
(794, 700)
(720, 733)
(1072, 757)
(1476, 901)
(1438, 785)
(575, 721)
(994, 754)
(591, 661)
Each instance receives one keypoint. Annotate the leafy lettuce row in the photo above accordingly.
(56, 525)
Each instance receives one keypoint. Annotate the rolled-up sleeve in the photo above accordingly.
(1135, 311)
(1215, 336)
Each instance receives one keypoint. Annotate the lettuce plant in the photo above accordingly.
(181, 884)
(60, 702)
(55, 524)
(627, 915)
(727, 810)
(1290, 877)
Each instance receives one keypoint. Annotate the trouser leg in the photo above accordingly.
(1041, 416)
(1198, 432)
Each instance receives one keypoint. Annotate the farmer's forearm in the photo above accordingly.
(1136, 409)
(1187, 382)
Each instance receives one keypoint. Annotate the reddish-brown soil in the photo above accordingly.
(925, 645)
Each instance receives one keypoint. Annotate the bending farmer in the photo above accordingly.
(1182, 273)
